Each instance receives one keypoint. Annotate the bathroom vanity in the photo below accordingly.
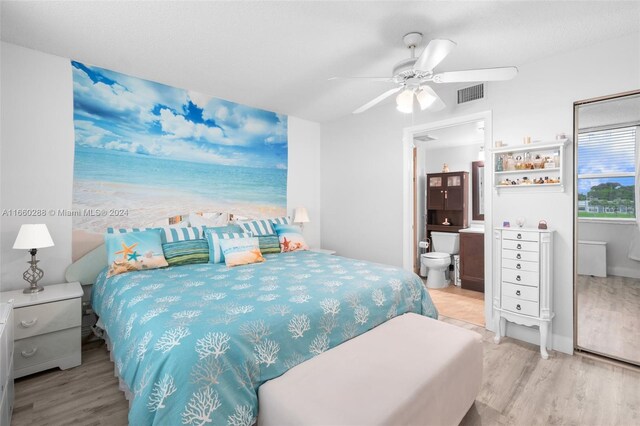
(472, 258)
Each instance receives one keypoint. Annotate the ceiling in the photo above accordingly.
(279, 55)
(458, 135)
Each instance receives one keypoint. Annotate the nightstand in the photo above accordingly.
(323, 251)
(47, 328)
(6, 363)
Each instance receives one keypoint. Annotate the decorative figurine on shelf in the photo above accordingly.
(446, 221)
(506, 224)
(500, 164)
(542, 224)
(520, 222)
(445, 168)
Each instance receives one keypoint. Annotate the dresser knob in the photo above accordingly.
(519, 236)
(518, 256)
(519, 246)
(29, 354)
(517, 277)
(517, 292)
(518, 307)
(518, 266)
(27, 324)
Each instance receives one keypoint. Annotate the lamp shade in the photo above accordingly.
(33, 236)
(301, 215)
(404, 101)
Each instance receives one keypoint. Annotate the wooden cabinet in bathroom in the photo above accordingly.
(472, 260)
(447, 198)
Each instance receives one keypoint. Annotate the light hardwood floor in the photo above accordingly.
(459, 303)
(609, 316)
(519, 388)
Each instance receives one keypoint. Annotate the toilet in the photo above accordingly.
(437, 262)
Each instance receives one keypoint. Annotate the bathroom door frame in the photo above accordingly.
(576, 126)
(409, 218)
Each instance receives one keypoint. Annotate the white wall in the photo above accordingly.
(37, 160)
(618, 238)
(362, 161)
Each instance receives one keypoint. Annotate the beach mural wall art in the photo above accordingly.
(145, 152)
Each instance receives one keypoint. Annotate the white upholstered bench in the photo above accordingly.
(411, 370)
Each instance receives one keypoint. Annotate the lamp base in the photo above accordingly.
(31, 290)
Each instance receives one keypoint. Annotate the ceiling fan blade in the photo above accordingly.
(430, 99)
(433, 54)
(487, 74)
(377, 100)
(374, 79)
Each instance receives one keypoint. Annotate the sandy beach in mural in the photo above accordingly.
(144, 206)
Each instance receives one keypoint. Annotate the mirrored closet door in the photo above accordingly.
(607, 226)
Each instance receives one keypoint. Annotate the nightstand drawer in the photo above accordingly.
(520, 306)
(520, 265)
(520, 277)
(45, 348)
(47, 317)
(521, 292)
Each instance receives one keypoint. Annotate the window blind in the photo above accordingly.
(606, 152)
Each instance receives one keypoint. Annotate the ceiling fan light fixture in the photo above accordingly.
(404, 101)
(425, 99)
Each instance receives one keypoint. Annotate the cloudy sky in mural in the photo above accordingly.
(114, 111)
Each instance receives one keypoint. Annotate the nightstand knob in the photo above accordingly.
(29, 354)
(518, 307)
(27, 324)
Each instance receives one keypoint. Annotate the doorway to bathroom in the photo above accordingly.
(448, 215)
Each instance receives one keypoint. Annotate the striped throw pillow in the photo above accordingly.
(169, 234)
(284, 220)
(186, 252)
(269, 244)
(213, 238)
(258, 227)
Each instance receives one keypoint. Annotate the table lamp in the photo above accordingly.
(32, 237)
(301, 216)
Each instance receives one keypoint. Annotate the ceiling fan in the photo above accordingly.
(412, 74)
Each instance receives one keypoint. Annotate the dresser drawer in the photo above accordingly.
(520, 245)
(525, 307)
(520, 277)
(46, 347)
(521, 292)
(521, 235)
(47, 317)
(520, 265)
(529, 256)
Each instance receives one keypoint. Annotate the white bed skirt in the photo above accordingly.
(121, 384)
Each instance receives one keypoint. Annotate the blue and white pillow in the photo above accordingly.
(283, 220)
(213, 238)
(241, 251)
(134, 251)
(258, 227)
(168, 234)
(290, 237)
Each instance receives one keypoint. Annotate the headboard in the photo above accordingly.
(86, 269)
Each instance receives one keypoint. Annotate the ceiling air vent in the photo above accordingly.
(472, 93)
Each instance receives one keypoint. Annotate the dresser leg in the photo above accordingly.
(500, 324)
(544, 331)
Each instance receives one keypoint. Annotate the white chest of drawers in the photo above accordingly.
(47, 328)
(523, 283)
(6, 362)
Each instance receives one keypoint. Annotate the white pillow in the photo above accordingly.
(208, 219)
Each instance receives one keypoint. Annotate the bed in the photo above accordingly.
(192, 344)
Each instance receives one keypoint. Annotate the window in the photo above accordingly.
(607, 173)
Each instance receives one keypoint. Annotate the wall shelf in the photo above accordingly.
(552, 151)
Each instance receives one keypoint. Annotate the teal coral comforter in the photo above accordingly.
(193, 343)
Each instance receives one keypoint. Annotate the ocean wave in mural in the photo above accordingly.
(145, 152)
